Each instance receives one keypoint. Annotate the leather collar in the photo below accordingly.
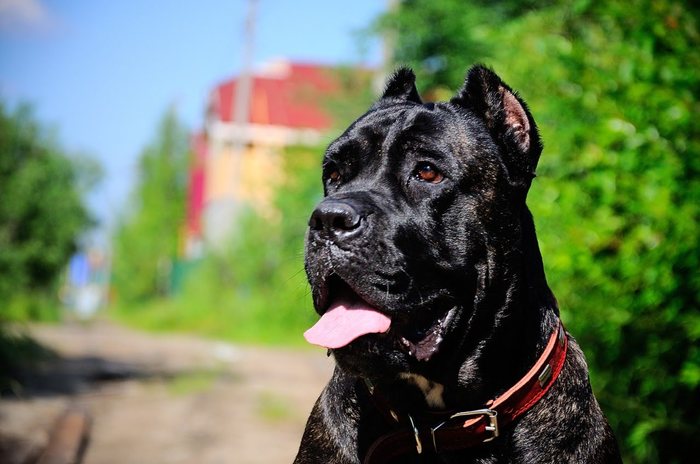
(456, 431)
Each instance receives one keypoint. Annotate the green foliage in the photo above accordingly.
(267, 259)
(255, 290)
(146, 242)
(355, 94)
(613, 86)
(438, 55)
(41, 215)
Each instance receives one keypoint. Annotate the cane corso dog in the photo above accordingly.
(426, 271)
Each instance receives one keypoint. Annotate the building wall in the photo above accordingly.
(244, 176)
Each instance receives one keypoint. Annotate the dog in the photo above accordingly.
(425, 268)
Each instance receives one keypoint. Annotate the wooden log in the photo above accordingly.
(68, 439)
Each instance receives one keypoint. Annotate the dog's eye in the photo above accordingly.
(331, 173)
(426, 172)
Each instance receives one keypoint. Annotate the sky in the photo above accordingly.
(102, 73)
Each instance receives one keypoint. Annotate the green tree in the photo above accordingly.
(146, 242)
(257, 286)
(42, 214)
(613, 86)
(254, 289)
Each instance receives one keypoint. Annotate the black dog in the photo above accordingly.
(425, 267)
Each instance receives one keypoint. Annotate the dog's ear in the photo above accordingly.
(401, 86)
(508, 120)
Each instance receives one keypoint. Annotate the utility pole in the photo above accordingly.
(228, 145)
(242, 98)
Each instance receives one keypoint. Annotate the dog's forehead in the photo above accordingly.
(440, 126)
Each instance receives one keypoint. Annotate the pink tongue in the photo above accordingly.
(344, 322)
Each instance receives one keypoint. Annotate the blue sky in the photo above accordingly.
(103, 72)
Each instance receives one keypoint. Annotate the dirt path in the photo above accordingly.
(167, 398)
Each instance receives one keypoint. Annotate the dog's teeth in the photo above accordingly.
(408, 345)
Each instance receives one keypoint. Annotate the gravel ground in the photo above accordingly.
(164, 398)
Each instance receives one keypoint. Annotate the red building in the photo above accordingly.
(249, 120)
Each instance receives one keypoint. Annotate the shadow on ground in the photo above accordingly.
(160, 398)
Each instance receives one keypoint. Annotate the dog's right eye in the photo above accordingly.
(331, 174)
(427, 172)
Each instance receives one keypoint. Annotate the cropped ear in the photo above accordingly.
(508, 120)
(401, 86)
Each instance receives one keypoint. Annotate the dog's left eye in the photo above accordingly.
(427, 172)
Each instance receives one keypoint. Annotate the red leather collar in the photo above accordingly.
(470, 428)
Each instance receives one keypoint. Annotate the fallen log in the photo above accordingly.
(68, 439)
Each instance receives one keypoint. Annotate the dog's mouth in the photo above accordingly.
(426, 342)
(348, 316)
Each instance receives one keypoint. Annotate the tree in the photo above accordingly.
(42, 214)
(146, 242)
(613, 87)
(255, 288)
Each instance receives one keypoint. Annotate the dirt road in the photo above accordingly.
(166, 398)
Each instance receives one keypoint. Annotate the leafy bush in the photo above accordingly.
(41, 215)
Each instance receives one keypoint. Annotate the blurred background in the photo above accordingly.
(159, 160)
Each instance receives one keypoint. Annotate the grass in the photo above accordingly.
(165, 316)
(273, 408)
(192, 382)
(259, 319)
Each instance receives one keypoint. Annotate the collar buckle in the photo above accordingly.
(491, 426)
(416, 434)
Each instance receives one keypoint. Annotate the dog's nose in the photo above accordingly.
(336, 218)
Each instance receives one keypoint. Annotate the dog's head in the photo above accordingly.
(421, 200)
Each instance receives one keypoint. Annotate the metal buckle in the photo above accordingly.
(545, 375)
(419, 444)
(490, 414)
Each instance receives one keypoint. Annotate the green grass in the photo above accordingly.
(31, 306)
(254, 323)
(192, 382)
(273, 408)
